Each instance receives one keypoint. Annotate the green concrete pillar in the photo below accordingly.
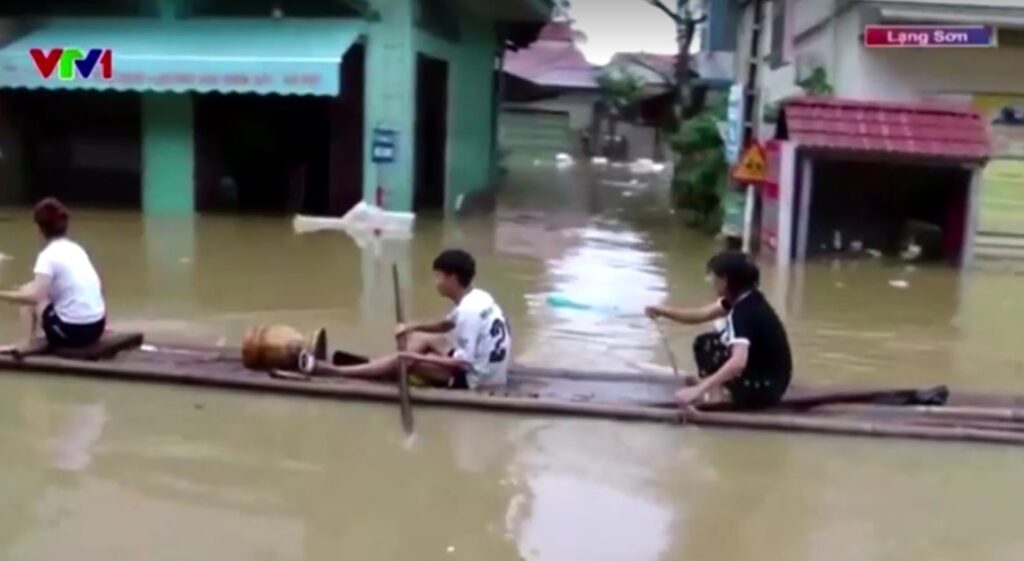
(168, 185)
(391, 102)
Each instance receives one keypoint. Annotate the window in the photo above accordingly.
(778, 53)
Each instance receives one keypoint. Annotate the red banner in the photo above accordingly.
(770, 198)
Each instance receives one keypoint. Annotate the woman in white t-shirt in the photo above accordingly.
(66, 296)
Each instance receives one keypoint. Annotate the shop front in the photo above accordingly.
(146, 133)
(861, 179)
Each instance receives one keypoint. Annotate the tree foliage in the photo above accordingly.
(701, 171)
(702, 174)
(817, 83)
(620, 90)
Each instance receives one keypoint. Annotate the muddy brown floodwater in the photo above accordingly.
(95, 471)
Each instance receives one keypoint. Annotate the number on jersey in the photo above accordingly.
(499, 333)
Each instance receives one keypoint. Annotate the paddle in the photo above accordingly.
(403, 368)
(668, 348)
(564, 302)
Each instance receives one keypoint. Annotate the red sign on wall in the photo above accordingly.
(770, 198)
(929, 36)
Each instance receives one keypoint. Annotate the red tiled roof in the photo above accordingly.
(656, 69)
(916, 129)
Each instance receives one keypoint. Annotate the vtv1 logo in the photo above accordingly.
(72, 62)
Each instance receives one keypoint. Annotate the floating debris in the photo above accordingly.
(646, 165)
(74, 447)
(899, 283)
(911, 252)
(632, 183)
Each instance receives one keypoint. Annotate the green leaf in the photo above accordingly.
(702, 173)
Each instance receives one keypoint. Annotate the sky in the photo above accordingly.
(612, 26)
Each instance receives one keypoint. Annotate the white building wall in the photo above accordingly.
(909, 74)
(578, 105)
(827, 33)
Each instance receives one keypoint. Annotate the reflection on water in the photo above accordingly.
(111, 471)
(604, 272)
(81, 430)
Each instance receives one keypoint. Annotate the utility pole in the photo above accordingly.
(751, 116)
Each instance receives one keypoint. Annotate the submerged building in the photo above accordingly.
(900, 94)
(176, 106)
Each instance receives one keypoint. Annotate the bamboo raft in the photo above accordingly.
(933, 414)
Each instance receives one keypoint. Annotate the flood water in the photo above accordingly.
(101, 470)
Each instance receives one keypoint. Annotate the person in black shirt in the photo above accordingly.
(749, 353)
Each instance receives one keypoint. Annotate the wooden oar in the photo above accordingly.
(668, 348)
(403, 368)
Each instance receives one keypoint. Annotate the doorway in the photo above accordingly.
(895, 208)
(84, 147)
(431, 163)
(262, 154)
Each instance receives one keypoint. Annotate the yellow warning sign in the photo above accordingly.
(753, 165)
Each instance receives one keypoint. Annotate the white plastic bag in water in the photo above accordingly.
(363, 219)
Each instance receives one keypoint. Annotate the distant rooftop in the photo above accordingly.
(557, 31)
(660, 62)
(553, 61)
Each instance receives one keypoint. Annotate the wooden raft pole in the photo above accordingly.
(467, 400)
(819, 399)
(404, 402)
(795, 423)
(1006, 414)
(967, 423)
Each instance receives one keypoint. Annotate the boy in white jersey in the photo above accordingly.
(477, 349)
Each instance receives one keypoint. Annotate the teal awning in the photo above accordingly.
(266, 56)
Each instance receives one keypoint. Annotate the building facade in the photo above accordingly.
(548, 95)
(300, 106)
(822, 40)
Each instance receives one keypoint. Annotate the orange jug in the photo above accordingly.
(279, 347)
